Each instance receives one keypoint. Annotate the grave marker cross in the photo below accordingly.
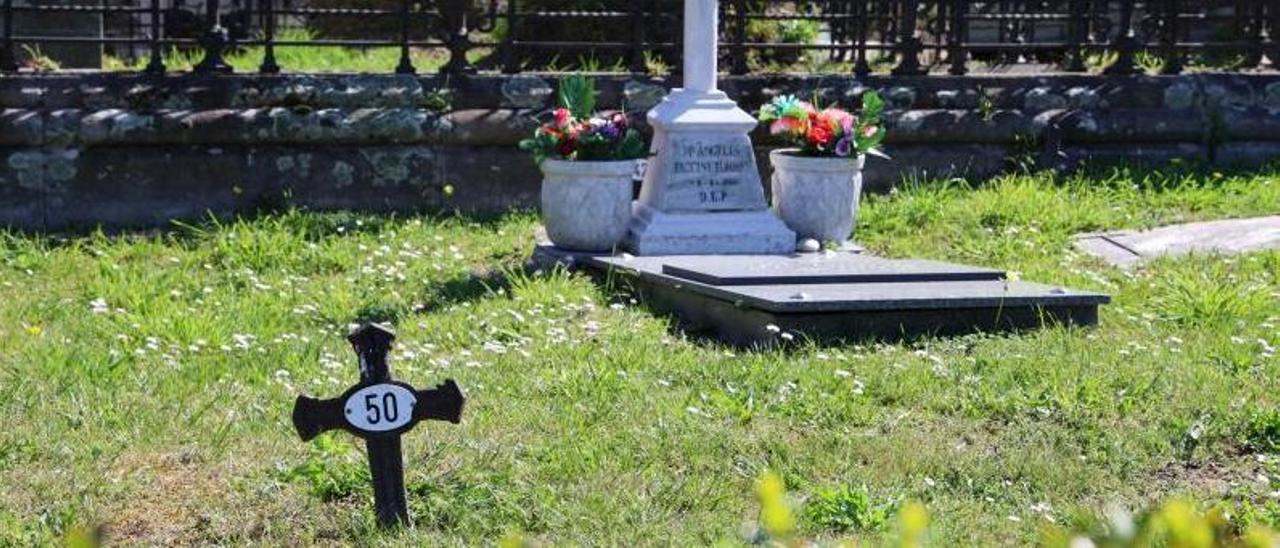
(379, 409)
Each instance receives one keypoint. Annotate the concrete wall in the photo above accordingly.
(118, 149)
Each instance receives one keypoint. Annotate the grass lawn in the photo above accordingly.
(298, 59)
(147, 380)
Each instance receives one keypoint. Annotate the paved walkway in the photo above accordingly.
(1126, 248)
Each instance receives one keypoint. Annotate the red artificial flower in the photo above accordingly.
(820, 135)
(567, 146)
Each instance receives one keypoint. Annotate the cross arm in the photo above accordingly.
(312, 417)
(442, 403)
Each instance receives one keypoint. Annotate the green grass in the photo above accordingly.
(147, 380)
(299, 59)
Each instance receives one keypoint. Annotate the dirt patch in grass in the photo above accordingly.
(164, 509)
(1215, 477)
(186, 497)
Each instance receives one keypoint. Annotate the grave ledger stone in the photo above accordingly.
(702, 192)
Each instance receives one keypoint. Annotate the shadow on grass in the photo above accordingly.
(311, 224)
(471, 287)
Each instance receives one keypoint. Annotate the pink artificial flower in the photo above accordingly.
(836, 115)
(563, 116)
(870, 131)
(787, 125)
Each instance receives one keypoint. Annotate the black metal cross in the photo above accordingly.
(379, 409)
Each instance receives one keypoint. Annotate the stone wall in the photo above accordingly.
(116, 149)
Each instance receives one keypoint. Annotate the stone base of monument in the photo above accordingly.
(734, 232)
(751, 300)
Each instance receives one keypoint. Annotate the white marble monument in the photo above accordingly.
(702, 192)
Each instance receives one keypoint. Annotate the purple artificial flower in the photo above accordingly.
(603, 127)
(847, 123)
(844, 147)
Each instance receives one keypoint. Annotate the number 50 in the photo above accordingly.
(388, 409)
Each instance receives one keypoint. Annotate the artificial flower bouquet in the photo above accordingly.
(830, 132)
(577, 133)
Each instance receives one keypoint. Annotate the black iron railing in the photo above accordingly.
(859, 36)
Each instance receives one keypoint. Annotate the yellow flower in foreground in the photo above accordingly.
(1185, 527)
(774, 511)
(913, 520)
(513, 540)
(1260, 537)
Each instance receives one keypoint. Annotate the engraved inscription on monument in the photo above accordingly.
(710, 173)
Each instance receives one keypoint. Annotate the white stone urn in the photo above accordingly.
(586, 206)
(816, 197)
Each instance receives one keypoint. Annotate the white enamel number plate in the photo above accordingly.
(380, 407)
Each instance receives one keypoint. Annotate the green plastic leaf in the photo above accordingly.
(632, 146)
(872, 106)
(867, 144)
(878, 153)
(541, 146)
(578, 94)
(768, 113)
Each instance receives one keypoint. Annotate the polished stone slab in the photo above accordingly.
(785, 297)
(1231, 236)
(818, 268)
(852, 296)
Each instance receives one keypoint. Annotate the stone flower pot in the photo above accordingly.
(816, 197)
(586, 206)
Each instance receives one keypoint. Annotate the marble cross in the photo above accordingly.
(701, 44)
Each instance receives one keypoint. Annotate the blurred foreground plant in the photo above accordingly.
(1176, 524)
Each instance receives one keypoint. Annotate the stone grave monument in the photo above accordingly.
(706, 249)
(702, 191)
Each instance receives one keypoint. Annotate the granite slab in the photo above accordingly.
(1230, 236)
(818, 268)
(751, 300)
(986, 289)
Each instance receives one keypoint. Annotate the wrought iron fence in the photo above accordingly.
(859, 36)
